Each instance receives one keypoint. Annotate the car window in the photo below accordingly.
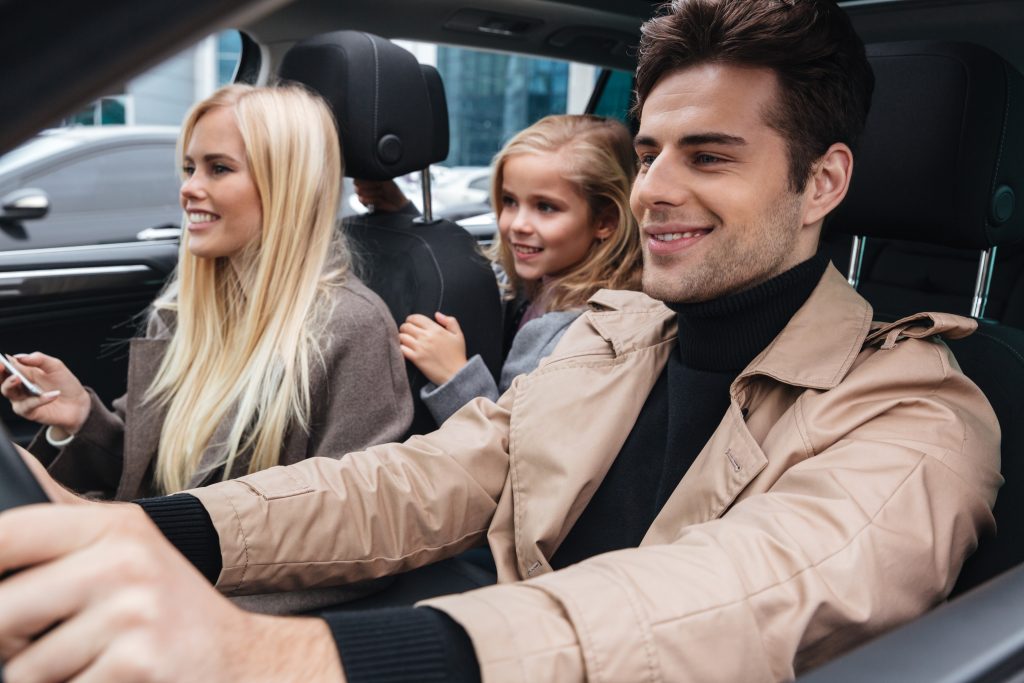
(109, 168)
(491, 97)
(616, 96)
(129, 177)
(494, 95)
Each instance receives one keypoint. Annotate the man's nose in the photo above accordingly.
(663, 185)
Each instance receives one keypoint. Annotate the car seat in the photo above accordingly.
(939, 165)
(393, 119)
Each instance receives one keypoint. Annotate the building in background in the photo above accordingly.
(164, 94)
(492, 96)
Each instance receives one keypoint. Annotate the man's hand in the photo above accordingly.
(102, 596)
(438, 349)
(64, 404)
(380, 195)
(54, 491)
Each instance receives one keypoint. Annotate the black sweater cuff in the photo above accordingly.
(403, 645)
(187, 525)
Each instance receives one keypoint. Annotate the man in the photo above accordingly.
(739, 501)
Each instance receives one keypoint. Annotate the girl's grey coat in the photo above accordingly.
(534, 342)
(360, 397)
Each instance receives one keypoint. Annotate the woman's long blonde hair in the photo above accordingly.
(601, 165)
(245, 334)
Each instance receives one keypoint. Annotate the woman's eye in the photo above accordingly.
(544, 207)
(507, 201)
(187, 170)
(219, 169)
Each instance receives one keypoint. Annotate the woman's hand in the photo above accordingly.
(64, 405)
(438, 349)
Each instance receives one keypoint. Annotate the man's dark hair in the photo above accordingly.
(825, 81)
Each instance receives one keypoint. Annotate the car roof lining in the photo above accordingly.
(597, 22)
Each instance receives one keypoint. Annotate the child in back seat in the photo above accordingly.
(561, 191)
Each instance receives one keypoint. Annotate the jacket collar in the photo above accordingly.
(815, 349)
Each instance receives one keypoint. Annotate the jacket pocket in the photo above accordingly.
(277, 482)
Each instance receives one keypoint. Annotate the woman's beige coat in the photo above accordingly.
(839, 496)
(359, 397)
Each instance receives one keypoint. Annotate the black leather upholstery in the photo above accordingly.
(938, 157)
(383, 99)
(945, 164)
(380, 99)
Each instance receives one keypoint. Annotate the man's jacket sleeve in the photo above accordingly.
(385, 510)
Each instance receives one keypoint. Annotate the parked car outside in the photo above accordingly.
(91, 185)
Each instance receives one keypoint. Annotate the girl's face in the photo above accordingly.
(543, 218)
(219, 194)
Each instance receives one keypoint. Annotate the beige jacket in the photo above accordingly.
(359, 397)
(838, 497)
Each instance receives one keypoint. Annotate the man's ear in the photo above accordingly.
(828, 184)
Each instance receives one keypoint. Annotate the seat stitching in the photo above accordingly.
(1001, 343)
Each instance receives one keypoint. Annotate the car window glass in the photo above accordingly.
(116, 154)
(491, 97)
(110, 180)
(616, 97)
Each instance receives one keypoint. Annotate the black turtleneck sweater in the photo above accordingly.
(717, 339)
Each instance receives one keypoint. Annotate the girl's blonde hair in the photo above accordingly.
(601, 165)
(245, 333)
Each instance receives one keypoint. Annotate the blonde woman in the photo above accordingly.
(561, 191)
(264, 349)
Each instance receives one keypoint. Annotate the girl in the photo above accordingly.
(263, 349)
(565, 231)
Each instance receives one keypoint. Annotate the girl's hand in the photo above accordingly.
(64, 404)
(438, 349)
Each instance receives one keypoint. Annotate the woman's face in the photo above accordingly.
(543, 218)
(218, 194)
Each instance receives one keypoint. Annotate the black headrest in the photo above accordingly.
(391, 112)
(941, 160)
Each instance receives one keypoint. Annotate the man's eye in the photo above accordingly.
(706, 159)
(645, 160)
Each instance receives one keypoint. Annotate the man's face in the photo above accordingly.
(712, 196)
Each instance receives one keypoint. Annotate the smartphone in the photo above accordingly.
(30, 387)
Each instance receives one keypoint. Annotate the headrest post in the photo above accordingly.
(856, 259)
(428, 209)
(986, 265)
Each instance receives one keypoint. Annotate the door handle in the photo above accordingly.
(164, 232)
